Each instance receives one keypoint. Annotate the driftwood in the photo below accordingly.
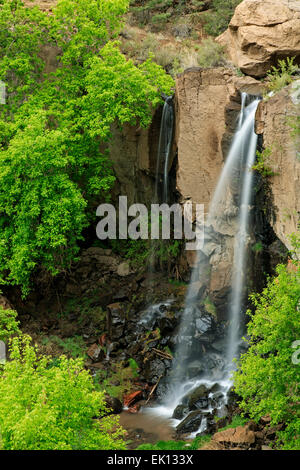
(162, 354)
(153, 390)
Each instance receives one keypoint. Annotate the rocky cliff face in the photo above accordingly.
(261, 32)
(273, 118)
(208, 102)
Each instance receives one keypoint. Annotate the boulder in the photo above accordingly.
(197, 398)
(240, 436)
(123, 269)
(191, 423)
(113, 404)
(115, 320)
(260, 32)
(179, 412)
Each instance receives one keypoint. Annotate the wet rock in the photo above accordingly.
(217, 399)
(194, 369)
(179, 412)
(204, 324)
(219, 345)
(222, 412)
(162, 389)
(197, 398)
(115, 320)
(113, 404)
(154, 369)
(166, 325)
(191, 423)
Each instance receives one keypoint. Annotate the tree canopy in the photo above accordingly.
(54, 124)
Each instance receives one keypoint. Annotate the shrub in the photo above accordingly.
(218, 19)
(46, 406)
(267, 379)
(9, 325)
(210, 54)
(262, 163)
(282, 75)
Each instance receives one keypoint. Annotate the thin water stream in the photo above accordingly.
(236, 172)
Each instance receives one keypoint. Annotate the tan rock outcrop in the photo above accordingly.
(208, 102)
(261, 32)
(240, 436)
(273, 118)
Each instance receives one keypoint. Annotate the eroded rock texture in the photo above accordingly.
(261, 32)
(274, 119)
(208, 104)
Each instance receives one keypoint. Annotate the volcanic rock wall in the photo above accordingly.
(275, 118)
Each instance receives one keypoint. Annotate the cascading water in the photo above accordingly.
(239, 162)
(239, 274)
(164, 148)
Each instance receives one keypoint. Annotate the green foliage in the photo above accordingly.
(295, 242)
(9, 325)
(210, 306)
(218, 18)
(210, 54)
(237, 420)
(73, 347)
(197, 443)
(134, 367)
(257, 247)
(282, 75)
(267, 379)
(52, 408)
(262, 163)
(51, 162)
(117, 381)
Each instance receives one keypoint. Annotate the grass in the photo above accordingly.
(237, 420)
(197, 443)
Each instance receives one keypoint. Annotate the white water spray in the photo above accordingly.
(239, 162)
(164, 148)
(241, 240)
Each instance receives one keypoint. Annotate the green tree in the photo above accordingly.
(54, 127)
(218, 19)
(52, 407)
(268, 378)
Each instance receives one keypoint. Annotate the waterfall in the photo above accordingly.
(241, 239)
(235, 180)
(164, 149)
